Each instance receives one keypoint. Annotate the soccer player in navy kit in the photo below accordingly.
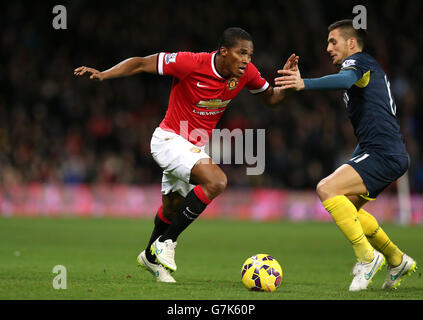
(379, 159)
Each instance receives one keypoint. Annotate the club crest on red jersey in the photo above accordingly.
(195, 150)
(232, 83)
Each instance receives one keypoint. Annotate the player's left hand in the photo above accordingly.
(291, 63)
(291, 77)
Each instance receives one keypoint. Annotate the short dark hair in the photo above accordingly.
(347, 31)
(231, 36)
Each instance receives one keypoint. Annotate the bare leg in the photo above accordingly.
(210, 181)
(211, 178)
(344, 181)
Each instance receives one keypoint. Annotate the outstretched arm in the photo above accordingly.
(125, 68)
(274, 95)
(291, 79)
(338, 81)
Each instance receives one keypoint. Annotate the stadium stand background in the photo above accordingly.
(57, 129)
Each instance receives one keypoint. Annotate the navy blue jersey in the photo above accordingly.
(371, 107)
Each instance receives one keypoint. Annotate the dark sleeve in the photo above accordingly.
(342, 80)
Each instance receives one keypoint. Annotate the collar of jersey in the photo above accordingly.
(214, 67)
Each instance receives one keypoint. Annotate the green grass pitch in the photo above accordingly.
(100, 260)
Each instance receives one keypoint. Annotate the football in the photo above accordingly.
(261, 272)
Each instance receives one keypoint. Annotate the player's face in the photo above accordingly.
(337, 47)
(238, 57)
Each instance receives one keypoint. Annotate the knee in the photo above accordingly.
(216, 186)
(324, 190)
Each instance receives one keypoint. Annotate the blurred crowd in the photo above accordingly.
(61, 129)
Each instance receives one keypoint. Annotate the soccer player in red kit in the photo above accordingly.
(203, 86)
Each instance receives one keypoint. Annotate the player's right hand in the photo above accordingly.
(93, 73)
(290, 80)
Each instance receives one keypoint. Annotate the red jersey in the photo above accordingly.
(199, 95)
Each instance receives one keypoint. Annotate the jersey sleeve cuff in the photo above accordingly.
(263, 88)
(160, 63)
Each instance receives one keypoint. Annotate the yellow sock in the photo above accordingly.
(345, 215)
(379, 239)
